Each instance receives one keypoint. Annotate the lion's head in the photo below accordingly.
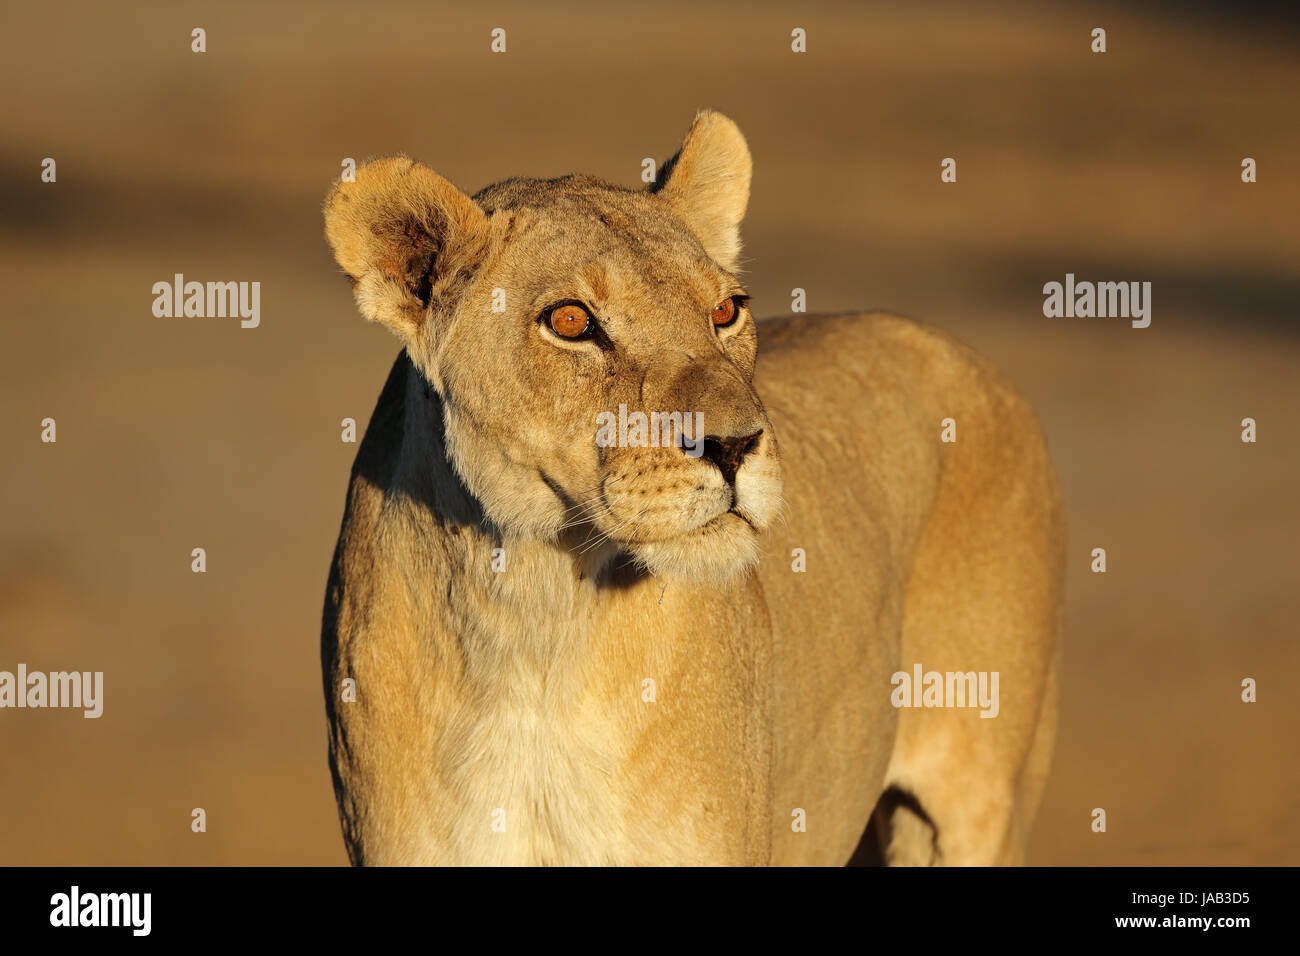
(579, 335)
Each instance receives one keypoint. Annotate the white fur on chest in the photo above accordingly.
(529, 757)
(532, 780)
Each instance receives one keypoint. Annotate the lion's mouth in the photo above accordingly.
(734, 510)
(712, 526)
(718, 521)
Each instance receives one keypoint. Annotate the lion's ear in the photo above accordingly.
(406, 237)
(707, 184)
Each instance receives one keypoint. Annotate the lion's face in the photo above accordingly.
(612, 393)
(592, 348)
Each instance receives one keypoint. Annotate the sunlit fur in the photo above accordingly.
(568, 653)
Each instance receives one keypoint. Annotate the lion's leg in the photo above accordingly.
(962, 820)
(983, 600)
(905, 832)
(1033, 777)
(973, 784)
(988, 824)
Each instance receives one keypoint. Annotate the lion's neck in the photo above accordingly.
(501, 593)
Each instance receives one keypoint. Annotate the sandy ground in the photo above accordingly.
(175, 434)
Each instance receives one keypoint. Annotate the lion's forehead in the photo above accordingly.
(608, 241)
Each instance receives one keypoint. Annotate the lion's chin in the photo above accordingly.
(718, 551)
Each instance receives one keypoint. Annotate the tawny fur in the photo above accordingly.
(501, 716)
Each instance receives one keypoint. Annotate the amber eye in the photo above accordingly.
(724, 312)
(569, 321)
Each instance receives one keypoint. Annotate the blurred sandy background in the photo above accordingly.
(175, 434)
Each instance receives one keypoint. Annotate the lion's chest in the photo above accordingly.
(530, 780)
(587, 766)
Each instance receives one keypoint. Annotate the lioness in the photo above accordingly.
(574, 651)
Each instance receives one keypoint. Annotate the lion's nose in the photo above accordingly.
(729, 453)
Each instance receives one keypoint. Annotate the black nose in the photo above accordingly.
(729, 453)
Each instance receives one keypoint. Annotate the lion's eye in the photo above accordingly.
(569, 321)
(724, 313)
